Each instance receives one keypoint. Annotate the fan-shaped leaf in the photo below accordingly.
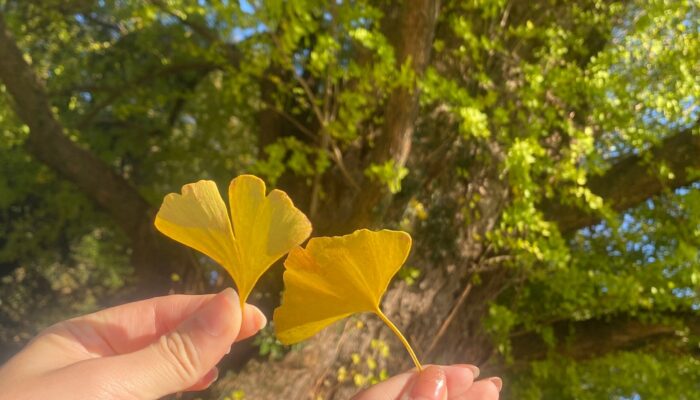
(264, 227)
(335, 277)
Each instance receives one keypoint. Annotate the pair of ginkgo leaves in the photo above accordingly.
(328, 280)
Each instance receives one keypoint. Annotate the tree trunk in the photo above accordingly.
(441, 316)
(154, 257)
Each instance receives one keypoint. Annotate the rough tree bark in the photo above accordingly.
(410, 28)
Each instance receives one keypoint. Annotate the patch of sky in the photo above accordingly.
(213, 277)
(634, 397)
(240, 34)
(300, 59)
(683, 292)
(246, 7)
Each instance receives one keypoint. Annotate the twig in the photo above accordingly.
(341, 165)
(450, 317)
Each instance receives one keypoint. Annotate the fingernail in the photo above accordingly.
(228, 351)
(212, 318)
(430, 384)
(498, 382)
(475, 370)
(260, 319)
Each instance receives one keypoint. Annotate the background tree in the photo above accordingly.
(544, 155)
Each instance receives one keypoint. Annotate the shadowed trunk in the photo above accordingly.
(154, 257)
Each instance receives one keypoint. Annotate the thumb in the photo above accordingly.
(180, 358)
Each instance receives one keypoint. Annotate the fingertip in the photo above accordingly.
(498, 382)
(228, 302)
(232, 307)
(230, 295)
(253, 321)
(460, 378)
(470, 369)
(475, 370)
(219, 317)
(430, 383)
(260, 318)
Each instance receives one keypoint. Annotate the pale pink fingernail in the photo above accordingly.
(260, 319)
(498, 382)
(430, 384)
(475, 370)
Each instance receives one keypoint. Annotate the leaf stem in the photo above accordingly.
(398, 333)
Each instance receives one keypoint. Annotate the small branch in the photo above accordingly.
(303, 129)
(631, 181)
(338, 156)
(448, 320)
(594, 337)
(316, 187)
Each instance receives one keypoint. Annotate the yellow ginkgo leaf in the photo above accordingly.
(335, 277)
(264, 227)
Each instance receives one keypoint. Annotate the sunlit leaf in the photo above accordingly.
(335, 277)
(264, 227)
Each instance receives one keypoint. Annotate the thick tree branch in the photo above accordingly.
(596, 337)
(410, 28)
(631, 180)
(48, 143)
(411, 32)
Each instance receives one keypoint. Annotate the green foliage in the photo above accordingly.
(96, 268)
(368, 369)
(409, 274)
(388, 173)
(636, 375)
(518, 108)
(269, 346)
(290, 154)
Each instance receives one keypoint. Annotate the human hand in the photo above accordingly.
(452, 382)
(151, 348)
(141, 350)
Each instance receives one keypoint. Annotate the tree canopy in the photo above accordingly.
(544, 155)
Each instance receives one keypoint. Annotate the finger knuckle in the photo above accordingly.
(181, 354)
